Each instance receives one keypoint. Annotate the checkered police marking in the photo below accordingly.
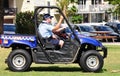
(11, 37)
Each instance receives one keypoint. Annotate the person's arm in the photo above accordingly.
(60, 29)
(57, 26)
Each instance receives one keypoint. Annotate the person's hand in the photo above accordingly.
(61, 17)
(54, 36)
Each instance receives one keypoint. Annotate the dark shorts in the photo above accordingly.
(54, 41)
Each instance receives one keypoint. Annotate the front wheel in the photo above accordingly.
(91, 61)
(19, 60)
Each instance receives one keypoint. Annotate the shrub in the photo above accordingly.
(24, 23)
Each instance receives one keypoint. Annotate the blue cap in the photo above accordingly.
(45, 16)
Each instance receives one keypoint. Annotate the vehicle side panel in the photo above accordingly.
(8, 40)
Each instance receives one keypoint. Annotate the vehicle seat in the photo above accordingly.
(44, 42)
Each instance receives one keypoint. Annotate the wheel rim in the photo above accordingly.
(92, 61)
(18, 60)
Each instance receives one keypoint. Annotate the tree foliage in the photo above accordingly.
(114, 2)
(76, 19)
(63, 5)
(117, 5)
(69, 11)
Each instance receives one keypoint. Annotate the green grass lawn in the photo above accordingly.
(111, 66)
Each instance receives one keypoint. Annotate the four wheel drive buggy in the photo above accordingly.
(89, 53)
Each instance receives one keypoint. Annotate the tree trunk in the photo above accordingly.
(1, 16)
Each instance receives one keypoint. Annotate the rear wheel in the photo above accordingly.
(19, 60)
(91, 61)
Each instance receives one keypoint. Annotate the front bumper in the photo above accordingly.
(105, 52)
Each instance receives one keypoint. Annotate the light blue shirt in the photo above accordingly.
(45, 29)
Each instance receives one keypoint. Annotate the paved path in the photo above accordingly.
(111, 43)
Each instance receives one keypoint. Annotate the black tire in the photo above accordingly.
(91, 61)
(19, 60)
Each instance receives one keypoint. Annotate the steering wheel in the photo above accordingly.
(62, 34)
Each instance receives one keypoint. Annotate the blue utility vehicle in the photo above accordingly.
(89, 53)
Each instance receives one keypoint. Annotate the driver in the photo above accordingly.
(46, 29)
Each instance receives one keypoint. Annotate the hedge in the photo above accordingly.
(24, 23)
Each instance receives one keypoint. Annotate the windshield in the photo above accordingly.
(86, 28)
(105, 28)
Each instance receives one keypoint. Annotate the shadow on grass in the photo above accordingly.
(55, 68)
(59, 69)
